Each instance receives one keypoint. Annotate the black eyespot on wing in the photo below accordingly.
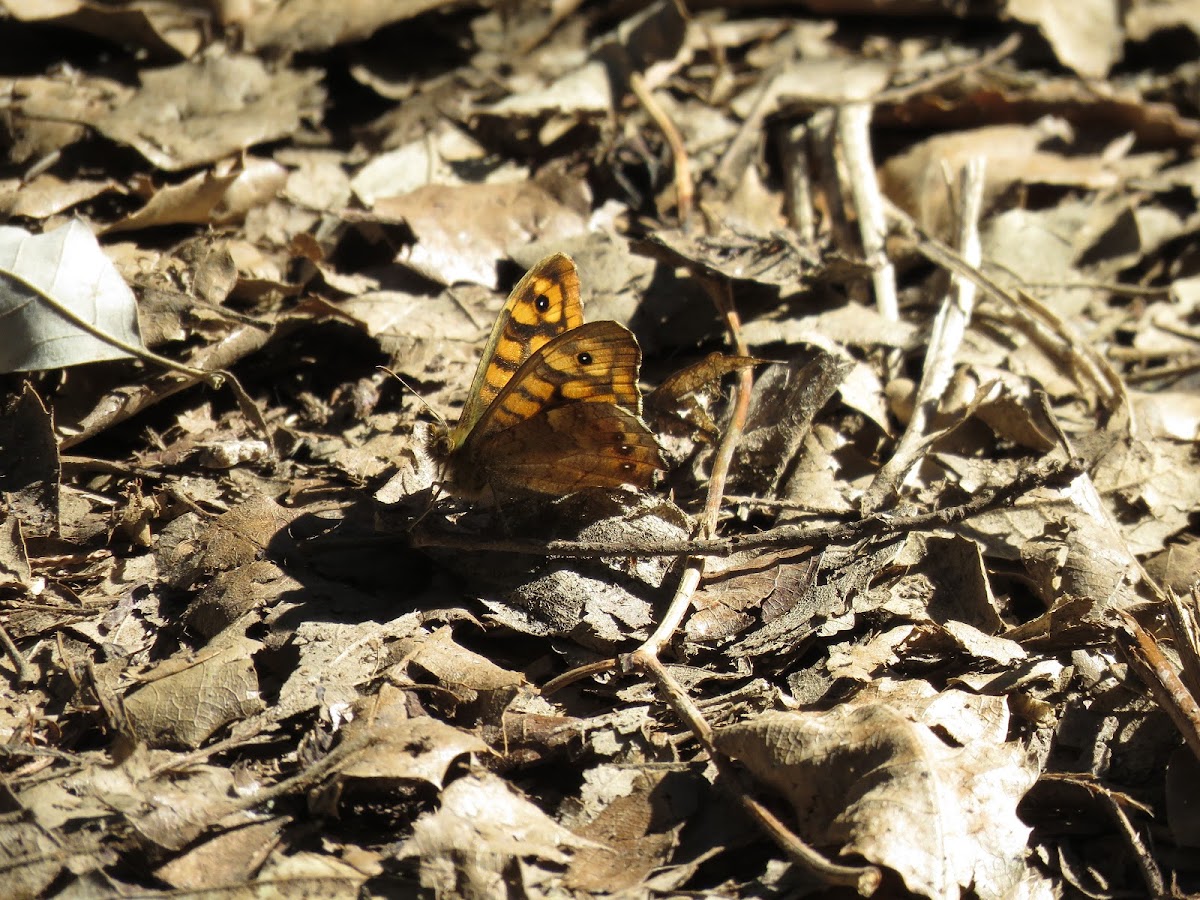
(541, 303)
(585, 358)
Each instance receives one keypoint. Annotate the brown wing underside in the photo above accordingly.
(564, 449)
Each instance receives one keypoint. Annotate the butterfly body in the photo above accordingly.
(554, 406)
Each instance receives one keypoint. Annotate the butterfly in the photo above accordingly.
(554, 406)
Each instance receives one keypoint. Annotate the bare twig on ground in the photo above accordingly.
(854, 137)
(1043, 326)
(793, 151)
(1005, 48)
(949, 328)
(864, 878)
(1050, 474)
(722, 459)
(1142, 652)
(684, 189)
(126, 403)
(24, 674)
(1182, 614)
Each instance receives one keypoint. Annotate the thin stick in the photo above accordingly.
(685, 191)
(854, 136)
(1182, 616)
(1048, 327)
(793, 150)
(1050, 474)
(1007, 47)
(24, 674)
(728, 171)
(1154, 669)
(1151, 875)
(694, 568)
(949, 328)
(213, 379)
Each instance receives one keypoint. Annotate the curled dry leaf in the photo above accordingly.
(600, 603)
(469, 846)
(402, 747)
(220, 196)
(479, 687)
(867, 780)
(232, 856)
(784, 406)
(684, 399)
(337, 661)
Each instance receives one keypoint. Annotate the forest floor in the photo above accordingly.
(864, 561)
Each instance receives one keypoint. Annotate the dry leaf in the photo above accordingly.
(866, 780)
(185, 701)
(63, 269)
(200, 111)
(462, 231)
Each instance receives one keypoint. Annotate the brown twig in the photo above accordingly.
(949, 328)
(560, 12)
(740, 151)
(1052, 474)
(1161, 373)
(823, 147)
(24, 675)
(1141, 652)
(311, 776)
(685, 191)
(1182, 616)
(121, 405)
(578, 674)
(645, 659)
(1007, 47)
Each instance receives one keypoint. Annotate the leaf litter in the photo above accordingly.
(914, 611)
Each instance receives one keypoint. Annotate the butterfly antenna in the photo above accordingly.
(412, 390)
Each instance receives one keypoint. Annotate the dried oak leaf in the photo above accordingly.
(467, 848)
(190, 699)
(867, 779)
(204, 110)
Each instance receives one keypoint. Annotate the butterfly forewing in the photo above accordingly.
(544, 304)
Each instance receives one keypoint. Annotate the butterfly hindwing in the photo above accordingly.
(571, 447)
